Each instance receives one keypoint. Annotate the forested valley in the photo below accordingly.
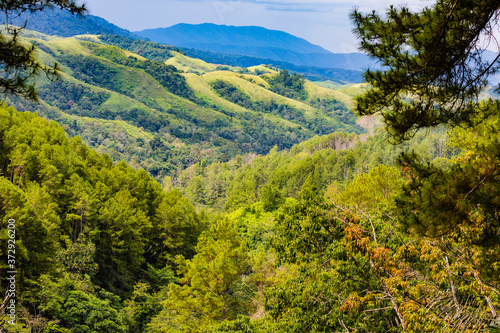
(148, 191)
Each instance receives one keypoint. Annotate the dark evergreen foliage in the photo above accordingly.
(436, 68)
(291, 86)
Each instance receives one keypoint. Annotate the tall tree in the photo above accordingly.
(435, 72)
(435, 64)
(212, 288)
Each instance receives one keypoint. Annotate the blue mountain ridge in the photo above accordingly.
(272, 47)
(257, 42)
(229, 36)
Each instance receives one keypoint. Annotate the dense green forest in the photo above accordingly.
(88, 230)
(295, 241)
(332, 160)
(147, 191)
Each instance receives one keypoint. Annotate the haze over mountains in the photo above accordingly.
(229, 45)
(257, 42)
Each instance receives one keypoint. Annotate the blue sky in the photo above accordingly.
(322, 22)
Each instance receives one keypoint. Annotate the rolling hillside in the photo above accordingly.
(169, 111)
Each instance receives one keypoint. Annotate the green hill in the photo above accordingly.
(160, 110)
(104, 247)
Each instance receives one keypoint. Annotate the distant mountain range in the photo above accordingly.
(211, 41)
(257, 42)
(225, 45)
(346, 69)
